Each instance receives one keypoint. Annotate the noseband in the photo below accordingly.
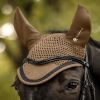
(87, 83)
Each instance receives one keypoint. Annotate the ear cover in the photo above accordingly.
(55, 45)
(81, 27)
(26, 33)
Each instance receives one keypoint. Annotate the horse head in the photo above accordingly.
(51, 70)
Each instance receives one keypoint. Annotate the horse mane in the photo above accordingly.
(94, 43)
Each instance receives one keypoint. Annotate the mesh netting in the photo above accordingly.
(54, 45)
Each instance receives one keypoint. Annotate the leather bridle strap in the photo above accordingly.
(57, 58)
(87, 83)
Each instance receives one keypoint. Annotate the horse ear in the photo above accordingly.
(80, 29)
(26, 33)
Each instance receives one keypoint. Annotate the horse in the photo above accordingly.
(59, 66)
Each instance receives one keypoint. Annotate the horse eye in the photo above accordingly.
(71, 85)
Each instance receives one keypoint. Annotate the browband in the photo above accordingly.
(57, 58)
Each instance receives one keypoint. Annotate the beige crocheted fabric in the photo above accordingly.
(54, 45)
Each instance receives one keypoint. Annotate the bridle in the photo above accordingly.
(87, 82)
